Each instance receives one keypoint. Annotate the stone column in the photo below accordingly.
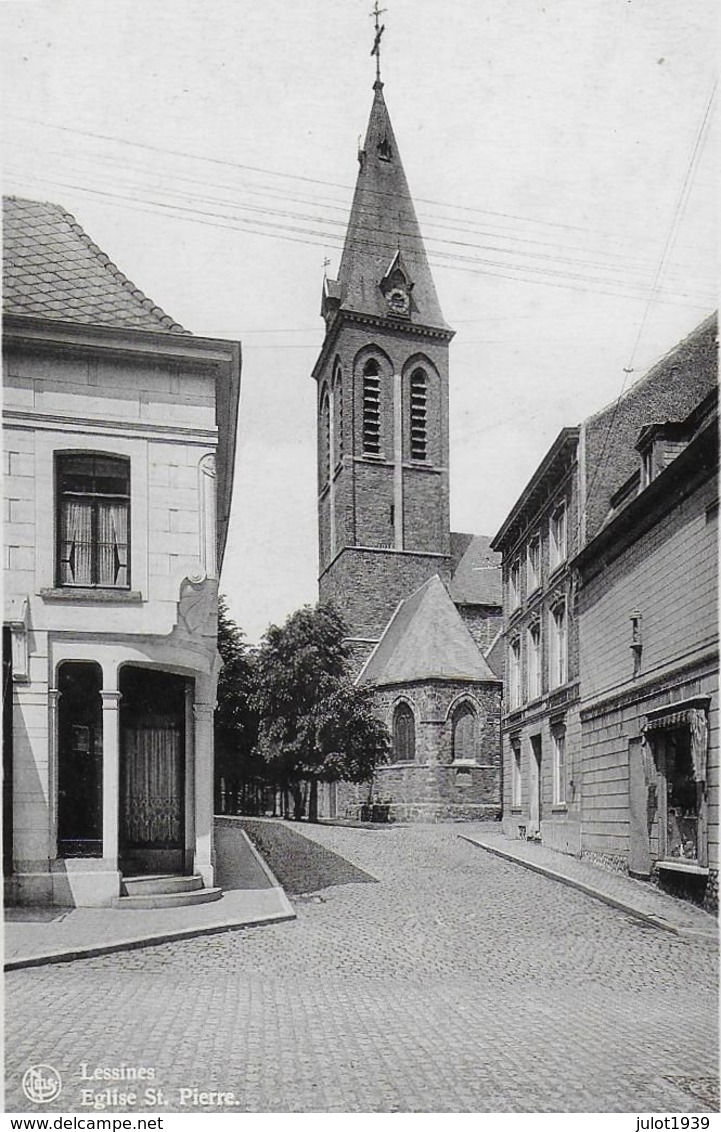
(203, 749)
(111, 775)
(53, 701)
(398, 461)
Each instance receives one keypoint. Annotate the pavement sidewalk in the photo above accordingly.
(635, 897)
(251, 896)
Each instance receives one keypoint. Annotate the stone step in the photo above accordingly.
(159, 883)
(168, 899)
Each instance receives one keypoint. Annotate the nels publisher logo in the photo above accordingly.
(41, 1084)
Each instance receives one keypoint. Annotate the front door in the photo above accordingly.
(535, 808)
(152, 772)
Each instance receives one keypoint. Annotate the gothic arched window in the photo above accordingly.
(465, 733)
(324, 437)
(419, 415)
(372, 408)
(404, 734)
(338, 414)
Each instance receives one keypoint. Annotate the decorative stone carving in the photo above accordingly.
(198, 607)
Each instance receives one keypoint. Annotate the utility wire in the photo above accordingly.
(679, 206)
(291, 176)
(430, 220)
(296, 233)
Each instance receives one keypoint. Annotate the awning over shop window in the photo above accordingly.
(692, 714)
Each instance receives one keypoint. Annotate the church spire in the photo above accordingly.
(384, 269)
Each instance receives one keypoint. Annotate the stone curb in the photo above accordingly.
(154, 939)
(132, 943)
(596, 893)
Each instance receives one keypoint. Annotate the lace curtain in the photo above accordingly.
(152, 786)
(97, 557)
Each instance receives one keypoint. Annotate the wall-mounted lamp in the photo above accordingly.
(636, 640)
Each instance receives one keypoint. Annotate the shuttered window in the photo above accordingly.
(419, 415)
(371, 408)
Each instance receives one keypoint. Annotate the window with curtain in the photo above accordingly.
(514, 674)
(559, 646)
(404, 734)
(93, 502)
(534, 661)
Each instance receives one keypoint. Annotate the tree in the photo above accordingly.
(314, 723)
(237, 759)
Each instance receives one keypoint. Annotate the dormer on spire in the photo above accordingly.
(382, 221)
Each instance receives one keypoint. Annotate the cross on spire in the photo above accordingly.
(379, 28)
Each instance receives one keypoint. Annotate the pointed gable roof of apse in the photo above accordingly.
(382, 224)
(426, 639)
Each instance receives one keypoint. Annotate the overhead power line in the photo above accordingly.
(301, 233)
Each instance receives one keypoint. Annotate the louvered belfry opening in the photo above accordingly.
(338, 413)
(419, 415)
(371, 408)
(325, 436)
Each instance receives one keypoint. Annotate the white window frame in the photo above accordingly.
(558, 651)
(559, 766)
(534, 661)
(533, 572)
(514, 584)
(558, 536)
(514, 673)
(516, 776)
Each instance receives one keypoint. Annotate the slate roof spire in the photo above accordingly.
(382, 224)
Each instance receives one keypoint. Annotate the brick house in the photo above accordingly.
(119, 431)
(648, 617)
(541, 730)
(383, 488)
(633, 480)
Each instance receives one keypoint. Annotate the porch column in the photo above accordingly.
(111, 765)
(203, 749)
(53, 702)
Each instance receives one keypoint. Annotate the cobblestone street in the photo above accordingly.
(459, 982)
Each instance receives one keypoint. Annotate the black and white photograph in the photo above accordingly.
(360, 589)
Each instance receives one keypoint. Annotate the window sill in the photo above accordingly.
(682, 867)
(81, 596)
(463, 763)
(557, 570)
(560, 808)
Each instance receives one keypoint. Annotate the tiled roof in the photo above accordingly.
(475, 571)
(425, 639)
(52, 269)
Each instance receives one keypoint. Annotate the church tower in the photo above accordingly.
(382, 378)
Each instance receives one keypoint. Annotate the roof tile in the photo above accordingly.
(52, 269)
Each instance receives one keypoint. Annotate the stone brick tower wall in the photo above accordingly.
(383, 507)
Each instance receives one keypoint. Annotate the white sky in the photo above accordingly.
(555, 151)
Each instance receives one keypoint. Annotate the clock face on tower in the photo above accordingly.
(398, 300)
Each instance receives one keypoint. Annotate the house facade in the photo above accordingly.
(541, 730)
(637, 489)
(648, 617)
(119, 437)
